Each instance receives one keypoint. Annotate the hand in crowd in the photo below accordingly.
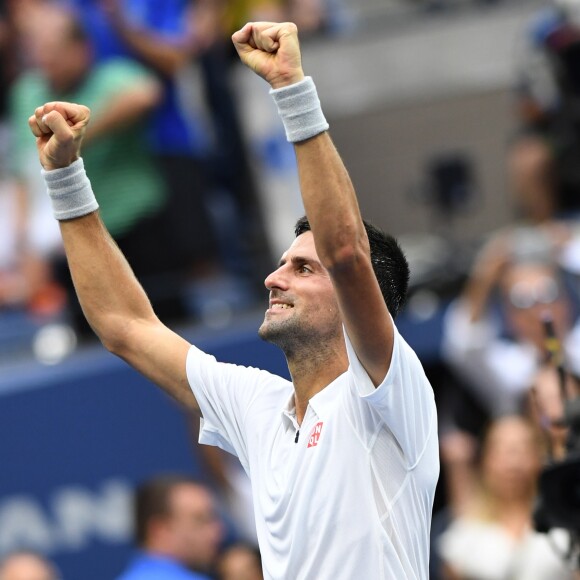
(485, 275)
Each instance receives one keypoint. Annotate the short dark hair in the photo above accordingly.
(388, 260)
(152, 500)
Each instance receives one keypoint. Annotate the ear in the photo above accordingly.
(157, 530)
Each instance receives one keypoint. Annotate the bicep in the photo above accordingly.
(159, 354)
(365, 316)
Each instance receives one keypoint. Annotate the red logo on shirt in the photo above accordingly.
(315, 435)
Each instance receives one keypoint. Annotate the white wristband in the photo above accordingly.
(300, 110)
(70, 191)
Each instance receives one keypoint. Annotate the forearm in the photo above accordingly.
(486, 274)
(21, 216)
(124, 110)
(108, 292)
(330, 201)
(110, 295)
(327, 191)
(476, 296)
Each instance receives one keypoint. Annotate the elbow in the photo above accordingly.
(146, 97)
(115, 336)
(344, 247)
(151, 96)
(346, 256)
(113, 343)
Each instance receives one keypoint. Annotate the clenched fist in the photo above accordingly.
(59, 129)
(271, 50)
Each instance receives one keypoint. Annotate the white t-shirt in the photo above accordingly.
(484, 551)
(349, 493)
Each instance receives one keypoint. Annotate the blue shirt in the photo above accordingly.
(171, 131)
(149, 567)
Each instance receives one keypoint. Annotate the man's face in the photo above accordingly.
(63, 60)
(511, 458)
(302, 309)
(532, 293)
(194, 526)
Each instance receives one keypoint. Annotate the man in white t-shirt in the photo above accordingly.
(343, 460)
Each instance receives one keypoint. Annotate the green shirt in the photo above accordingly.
(119, 164)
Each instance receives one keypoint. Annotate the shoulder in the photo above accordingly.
(205, 372)
(145, 567)
(405, 365)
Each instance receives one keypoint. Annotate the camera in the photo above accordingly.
(559, 483)
(558, 504)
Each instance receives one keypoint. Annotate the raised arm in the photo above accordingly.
(272, 51)
(111, 297)
(127, 107)
(169, 54)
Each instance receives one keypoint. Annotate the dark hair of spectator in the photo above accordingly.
(389, 264)
(152, 500)
(76, 32)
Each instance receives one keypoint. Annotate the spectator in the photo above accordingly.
(533, 176)
(493, 537)
(496, 352)
(177, 530)
(27, 566)
(23, 276)
(548, 90)
(169, 38)
(122, 94)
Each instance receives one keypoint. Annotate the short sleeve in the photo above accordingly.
(225, 393)
(404, 401)
(118, 75)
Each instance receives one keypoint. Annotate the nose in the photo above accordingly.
(277, 279)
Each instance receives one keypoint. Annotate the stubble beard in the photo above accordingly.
(296, 337)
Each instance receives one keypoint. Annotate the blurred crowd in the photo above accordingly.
(165, 146)
(511, 344)
(167, 156)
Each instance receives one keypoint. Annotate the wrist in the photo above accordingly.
(300, 111)
(287, 80)
(70, 191)
(53, 164)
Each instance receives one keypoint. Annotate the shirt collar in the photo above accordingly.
(319, 403)
(289, 412)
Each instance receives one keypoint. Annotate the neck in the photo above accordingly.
(159, 548)
(508, 507)
(314, 369)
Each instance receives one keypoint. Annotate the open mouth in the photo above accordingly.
(280, 306)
